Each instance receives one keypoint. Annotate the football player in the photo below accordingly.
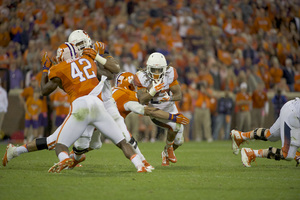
(157, 86)
(286, 128)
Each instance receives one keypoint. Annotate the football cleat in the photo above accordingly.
(237, 140)
(248, 156)
(171, 155)
(9, 154)
(165, 161)
(56, 168)
(143, 169)
(76, 162)
(147, 165)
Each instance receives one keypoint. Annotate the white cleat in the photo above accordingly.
(143, 169)
(237, 140)
(9, 154)
(248, 156)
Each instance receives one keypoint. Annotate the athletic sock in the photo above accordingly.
(21, 149)
(169, 144)
(136, 161)
(261, 153)
(137, 150)
(62, 156)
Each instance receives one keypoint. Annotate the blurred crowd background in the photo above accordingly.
(236, 60)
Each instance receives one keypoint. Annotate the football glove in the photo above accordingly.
(156, 87)
(99, 47)
(179, 118)
(46, 62)
(90, 52)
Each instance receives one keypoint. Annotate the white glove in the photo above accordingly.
(156, 87)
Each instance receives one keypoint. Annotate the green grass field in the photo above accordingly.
(203, 171)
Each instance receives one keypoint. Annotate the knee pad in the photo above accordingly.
(261, 134)
(274, 153)
(133, 142)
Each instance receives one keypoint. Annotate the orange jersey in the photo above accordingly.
(33, 107)
(122, 96)
(187, 103)
(203, 101)
(259, 99)
(240, 97)
(78, 76)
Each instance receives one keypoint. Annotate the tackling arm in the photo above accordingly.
(143, 96)
(49, 86)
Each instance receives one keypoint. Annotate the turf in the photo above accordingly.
(203, 171)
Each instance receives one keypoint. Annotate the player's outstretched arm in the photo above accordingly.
(157, 113)
(145, 96)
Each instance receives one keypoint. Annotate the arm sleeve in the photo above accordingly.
(135, 107)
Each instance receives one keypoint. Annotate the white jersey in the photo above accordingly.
(142, 80)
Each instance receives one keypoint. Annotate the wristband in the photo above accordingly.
(171, 116)
(100, 59)
(45, 70)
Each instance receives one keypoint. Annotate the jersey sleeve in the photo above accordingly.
(135, 107)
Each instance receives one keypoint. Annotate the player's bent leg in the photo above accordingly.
(62, 153)
(237, 140)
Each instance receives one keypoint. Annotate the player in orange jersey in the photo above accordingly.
(158, 87)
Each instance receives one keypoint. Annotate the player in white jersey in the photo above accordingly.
(286, 128)
(157, 86)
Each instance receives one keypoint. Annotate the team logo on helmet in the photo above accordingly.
(125, 80)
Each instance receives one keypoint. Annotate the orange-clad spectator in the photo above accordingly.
(174, 41)
(239, 41)
(186, 108)
(205, 76)
(41, 19)
(225, 57)
(260, 106)
(266, 77)
(276, 72)
(229, 27)
(135, 49)
(28, 91)
(4, 35)
(262, 21)
(210, 16)
(4, 59)
(228, 78)
(166, 28)
(238, 22)
(283, 48)
(118, 47)
(32, 110)
(61, 7)
(43, 117)
(202, 115)
(243, 102)
(61, 105)
(16, 27)
(153, 23)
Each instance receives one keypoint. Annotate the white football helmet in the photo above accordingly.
(80, 39)
(66, 51)
(156, 66)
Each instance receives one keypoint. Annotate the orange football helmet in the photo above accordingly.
(66, 51)
(125, 80)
